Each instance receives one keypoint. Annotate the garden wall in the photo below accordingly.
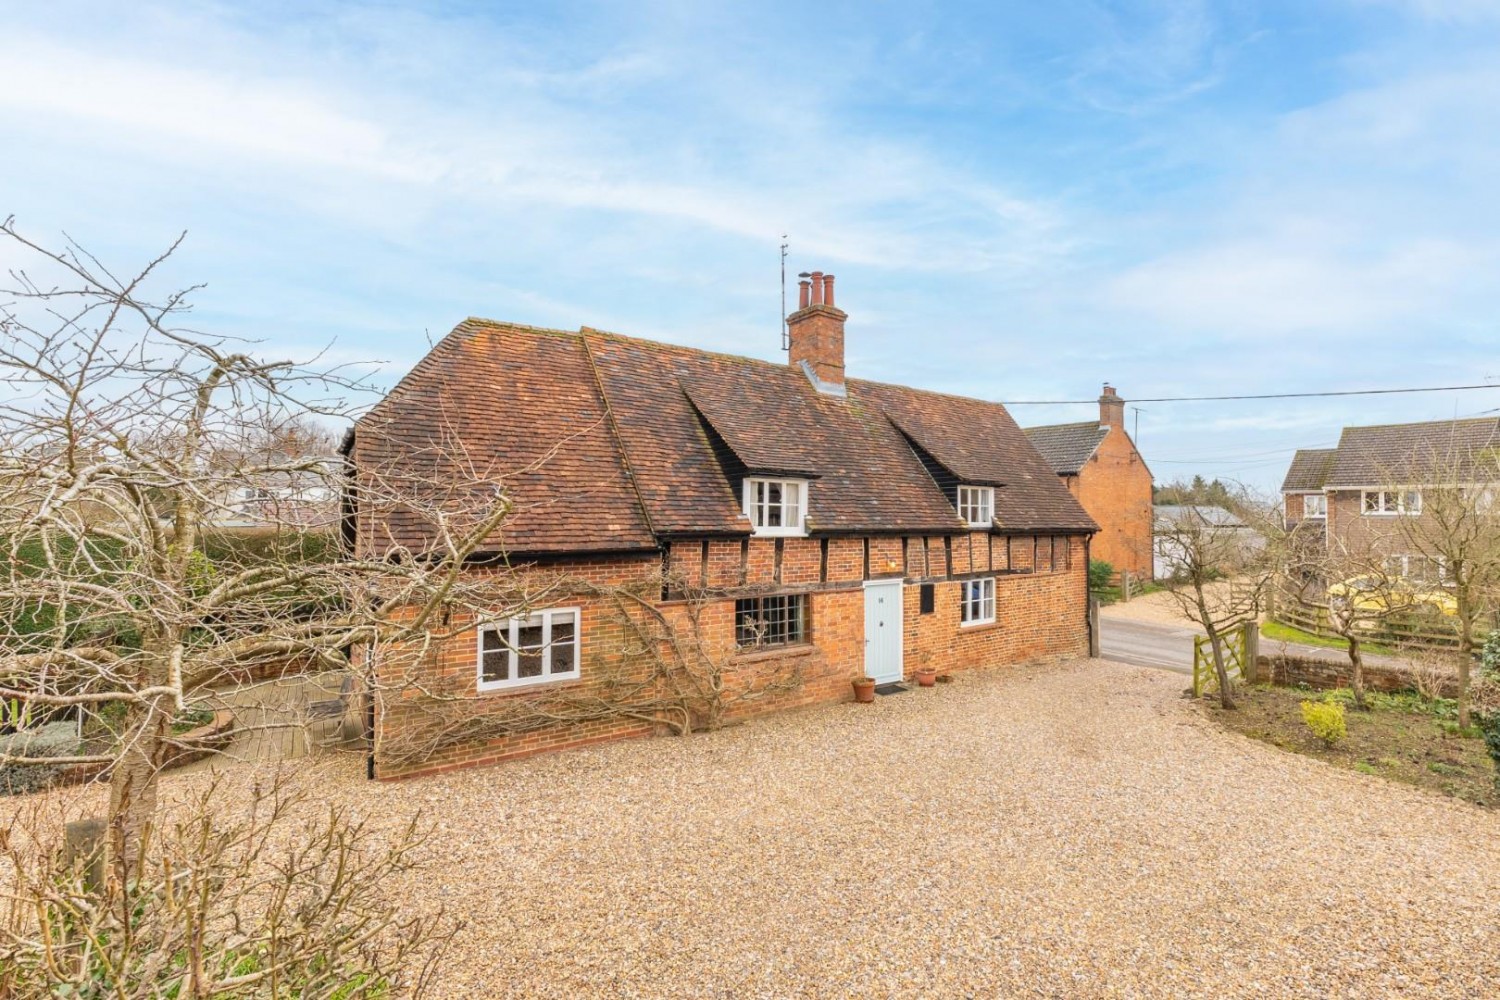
(1322, 675)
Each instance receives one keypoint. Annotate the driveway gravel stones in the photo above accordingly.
(1067, 831)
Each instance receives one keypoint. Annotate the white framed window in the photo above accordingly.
(1392, 502)
(776, 506)
(1417, 569)
(976, 505)
(1315, 505)
(978, 601)
(536, 649)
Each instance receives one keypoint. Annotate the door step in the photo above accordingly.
(894, 687)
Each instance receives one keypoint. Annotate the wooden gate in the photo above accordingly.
(1233, 643)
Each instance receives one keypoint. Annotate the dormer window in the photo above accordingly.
(976, 505)
(776, 506)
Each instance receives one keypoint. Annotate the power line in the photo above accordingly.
(1264, 395)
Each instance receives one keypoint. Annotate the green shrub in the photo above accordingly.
(1489, 655)
(1489, 727)
(56, 739)
(1100, 573)
(1325, 719)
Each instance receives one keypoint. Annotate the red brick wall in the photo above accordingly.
(1114, 486)
(1038, 614)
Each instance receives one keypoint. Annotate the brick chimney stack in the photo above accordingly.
(815, 333)
(1111, 408)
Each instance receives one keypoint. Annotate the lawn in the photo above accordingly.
(1277, 632)
(1404, 738)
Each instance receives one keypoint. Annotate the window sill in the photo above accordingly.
(755, 655)
(778, 533)
(978, 626)
(530, 685)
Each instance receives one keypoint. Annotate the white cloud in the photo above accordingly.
(354, 143)
(1288, 285)
(161, 106)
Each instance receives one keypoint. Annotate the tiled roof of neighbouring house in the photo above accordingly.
(1066, 447)
(1309, 470)
(612, 443)
(1414, 454)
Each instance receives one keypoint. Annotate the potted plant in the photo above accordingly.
(864, 689)
(926, 676)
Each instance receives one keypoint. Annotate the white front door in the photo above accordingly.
(883, 630)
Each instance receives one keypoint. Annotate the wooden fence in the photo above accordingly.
(1425, 630)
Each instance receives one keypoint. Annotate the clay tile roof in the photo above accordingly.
(1408, 453)
(655, 439)
(518, 406)
(1309, 470)
(1066, 447)
(980, 443)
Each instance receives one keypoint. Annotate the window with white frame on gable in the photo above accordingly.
(1315, 505)
(533, 649)
(1392, 502)
(773, 620)
(776, 506)
(976, 505)
(978, 597)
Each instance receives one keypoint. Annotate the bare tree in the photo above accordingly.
(1205, 548)
(1362, 594)
(1451, 522)
(121, 435)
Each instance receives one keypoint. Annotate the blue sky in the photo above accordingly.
(1020, 201)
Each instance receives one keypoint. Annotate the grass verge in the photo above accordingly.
(1277, 632)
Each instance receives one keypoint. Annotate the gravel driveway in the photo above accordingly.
(1075, 830)
(1066, 831)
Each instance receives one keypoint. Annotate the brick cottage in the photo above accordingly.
(799, 527)
(1099, 463)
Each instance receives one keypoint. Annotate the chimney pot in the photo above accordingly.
(1111, 408)
(815, 334)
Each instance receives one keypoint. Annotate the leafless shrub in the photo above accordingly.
(666, 670)
(227, 895)
(1431, 672)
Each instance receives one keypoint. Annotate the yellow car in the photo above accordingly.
(1377, 595)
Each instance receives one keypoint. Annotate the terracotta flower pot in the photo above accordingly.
(864, 689)
(926, 678)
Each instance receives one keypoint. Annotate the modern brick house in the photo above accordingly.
(816, 525)
(1101, 467)
(1360, 491)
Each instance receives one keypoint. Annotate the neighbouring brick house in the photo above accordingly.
(839, 526)
(1100, 465)
(1360, 491)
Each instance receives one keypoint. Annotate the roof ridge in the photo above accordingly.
(1075, 423)
(1424, 423)
(592, 331)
